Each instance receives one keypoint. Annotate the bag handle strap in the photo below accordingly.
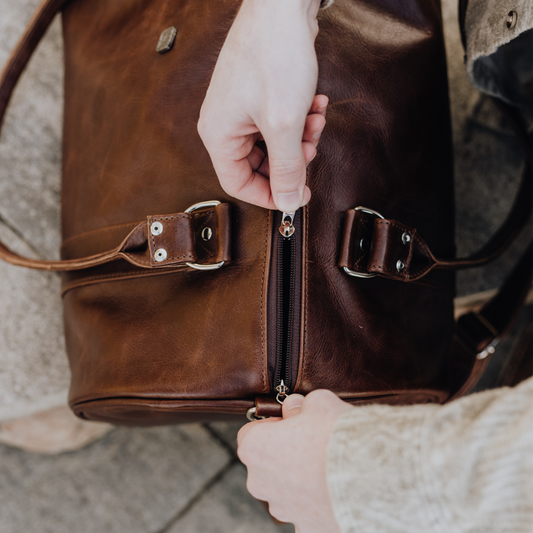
(144, 247)
(478, 333)
(373, 245)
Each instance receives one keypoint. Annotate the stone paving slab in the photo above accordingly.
(34, 370)
(132, 481)
(30, 148)
(227, 432)
(228, 508)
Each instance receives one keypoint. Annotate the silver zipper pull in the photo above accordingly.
(287, 226)
(282, 392)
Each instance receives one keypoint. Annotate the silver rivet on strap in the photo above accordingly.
(207, 233)
(512, 19)
(364, 245)
(156, 228)
(160, 255)
(400, 265)
(406, 237)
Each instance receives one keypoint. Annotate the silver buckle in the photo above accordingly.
(251, 416)
(200, 205)
(361, 274)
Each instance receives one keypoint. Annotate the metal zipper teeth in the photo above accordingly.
(280, 316)
(290, 318)
(286, 257)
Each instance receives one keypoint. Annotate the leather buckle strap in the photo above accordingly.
(357, 241)
(373, 245)
(207, 233)
(197, 238)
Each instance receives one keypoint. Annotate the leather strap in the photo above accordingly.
(371, 245)
(180, 242)
(478, 333)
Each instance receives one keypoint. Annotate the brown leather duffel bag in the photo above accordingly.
(184, 304)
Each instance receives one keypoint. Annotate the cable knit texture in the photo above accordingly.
(466, 467)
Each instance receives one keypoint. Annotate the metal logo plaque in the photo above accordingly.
(166, 40)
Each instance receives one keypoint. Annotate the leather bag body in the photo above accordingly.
(152, 339)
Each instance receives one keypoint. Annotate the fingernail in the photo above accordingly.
(322, 106)
(288, 202)
(294, 407)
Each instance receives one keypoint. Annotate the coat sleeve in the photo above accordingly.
(464, 467)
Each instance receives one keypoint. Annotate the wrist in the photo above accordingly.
(306, 8)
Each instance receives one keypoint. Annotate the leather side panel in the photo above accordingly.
(386, 146)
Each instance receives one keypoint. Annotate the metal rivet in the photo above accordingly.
(160, 255)
(166, 40)
(363, 244)
(206, 234)
(512, 18)
(406, 237)
(400, 265)
(156, 228)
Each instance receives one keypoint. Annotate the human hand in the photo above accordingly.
(263, 87)
(286, 460)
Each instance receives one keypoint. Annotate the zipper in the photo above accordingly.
(285, 306)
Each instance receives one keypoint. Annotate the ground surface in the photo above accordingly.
(181, 479)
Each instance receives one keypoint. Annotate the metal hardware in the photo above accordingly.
(512, 19)
(206, 234)
(406, 237)
(368, 211)
(156, 228)
(400, 265)
(489, 350)
(364, 245)
(282, 392)
(201, 205)
(166, 40)
(160, 255)
(287, 226)
(251, 416)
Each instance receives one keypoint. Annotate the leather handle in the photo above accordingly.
(16, 64)
(399, 252)
(177, 244)
(174, 244)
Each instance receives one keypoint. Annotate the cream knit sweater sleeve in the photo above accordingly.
(465, 467)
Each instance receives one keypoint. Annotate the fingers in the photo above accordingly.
(287, 166)
(320, 104)
(292, 405)
(276, 181)
(251, 425)
(291, 147)
(314, 126)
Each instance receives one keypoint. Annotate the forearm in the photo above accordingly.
(463, 467)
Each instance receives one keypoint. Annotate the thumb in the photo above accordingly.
(287, 169)
(292, 405)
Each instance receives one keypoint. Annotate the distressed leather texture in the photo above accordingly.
(158, 342)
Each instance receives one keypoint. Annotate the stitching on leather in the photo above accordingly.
(88, 234)
(261, 305)
(172, 217)
(417, 239)
(91, 280)
(306, 296)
